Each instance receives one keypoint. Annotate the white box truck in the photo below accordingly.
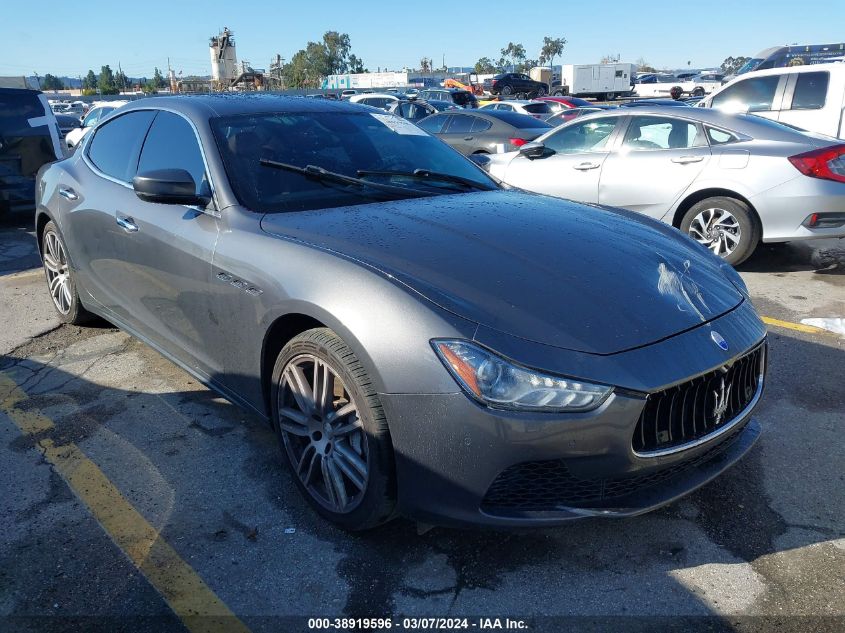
(600, 81)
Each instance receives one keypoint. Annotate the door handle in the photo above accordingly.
(67, 192)
(126, 223)
(683, 160)
(468, 138)
(585, 166)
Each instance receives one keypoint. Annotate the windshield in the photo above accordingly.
(750, 65)
(340, 142)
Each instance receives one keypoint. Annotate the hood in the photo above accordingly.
(584, 278)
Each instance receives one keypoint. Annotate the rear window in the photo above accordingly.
(538, 108)
(16, 108)
(719, 137)
(518, 120)
(24, 147)
(810, 91)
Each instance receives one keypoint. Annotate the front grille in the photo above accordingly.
(549, 485)
(693, 410)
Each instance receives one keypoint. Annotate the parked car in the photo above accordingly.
(95, 114)
(560, 103)
(564, 116)
(440, 106)
(727, 181)
(422, 342)
(484, 131)
(515, 84)
(653, 103)
(808, 97)
(536, 109)
(381, 100)
(29, 138)
(413, 110)
(462, 98)
(67, 123)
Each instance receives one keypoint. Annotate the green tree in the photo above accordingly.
(484, 66)
(356, 65)
(122, 81)
(336, 56)
(512, 55)
(527, 64)
(733, 64)
(105, 82)
(552, 47)
(51, 82)
(90, 81)
(158, 81)
(425, 65)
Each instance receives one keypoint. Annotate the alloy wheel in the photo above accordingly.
(58, 272)
(323, 433)
(717, 229)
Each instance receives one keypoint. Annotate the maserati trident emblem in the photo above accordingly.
(719, 340)
(722, 397)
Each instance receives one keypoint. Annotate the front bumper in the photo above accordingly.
(456, 460)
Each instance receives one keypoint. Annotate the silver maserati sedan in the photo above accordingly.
(423, 342)
(728, 181)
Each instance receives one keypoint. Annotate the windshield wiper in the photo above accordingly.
(427, 174)
(324, 175)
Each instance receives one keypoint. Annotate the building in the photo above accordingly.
(224, 59)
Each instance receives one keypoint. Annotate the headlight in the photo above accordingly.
(500, 383)
(734, 278)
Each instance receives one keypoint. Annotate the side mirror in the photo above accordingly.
(168, 186)
(482, 160)
(533, 150)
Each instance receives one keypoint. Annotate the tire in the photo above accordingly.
(61, 278)
(698, 92)
(541, 92)
(348, 478)
(506, 90)
(711, 221)
(558, 93)
(521, 95)
(609, 96)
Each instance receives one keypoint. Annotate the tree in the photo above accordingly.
(644, 67)
(90, 81)
(552, 47)
(51, 82)
(484, 66)
(425, 65)
(106, 84)
(527, 64)
(158, 80)
(336, 57)
(733, 64)
(356, 65)
(512, 54)
(122, 81)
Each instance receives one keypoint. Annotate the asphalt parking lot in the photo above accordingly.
(132, 498)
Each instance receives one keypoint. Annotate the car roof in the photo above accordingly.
(230, 104)
(508, 118)
(806, 68)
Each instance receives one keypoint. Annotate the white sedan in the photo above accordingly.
(536, 109)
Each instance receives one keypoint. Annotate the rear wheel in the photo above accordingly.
(559, 92)
(609, 96)
(698, 92)
(506, 90)
(333, 431)
(61, 279)
(724, 225)
(541, 91)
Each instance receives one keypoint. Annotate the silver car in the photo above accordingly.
(728, 181)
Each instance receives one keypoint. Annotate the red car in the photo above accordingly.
(560, 103)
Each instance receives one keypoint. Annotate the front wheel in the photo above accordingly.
(507, 90)
(559, 93)
(333, 431)
(61, 280)
(698, 92)
(609, 96)
(724, 225)
(541, 92)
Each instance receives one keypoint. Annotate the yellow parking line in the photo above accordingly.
(188, 596)
(798, 327)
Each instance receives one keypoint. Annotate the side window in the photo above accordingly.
(719, 137)
(433, 124)
(115, 146)
(460, 124)
(405, 110)
(91, 118)
(172, 144)
(480, 125)
(653, 132)
(749, 95)
(810, 91)
(589, 136)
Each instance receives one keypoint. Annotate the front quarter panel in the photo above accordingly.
(387, 325)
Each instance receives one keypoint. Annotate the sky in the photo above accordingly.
(69, 38)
